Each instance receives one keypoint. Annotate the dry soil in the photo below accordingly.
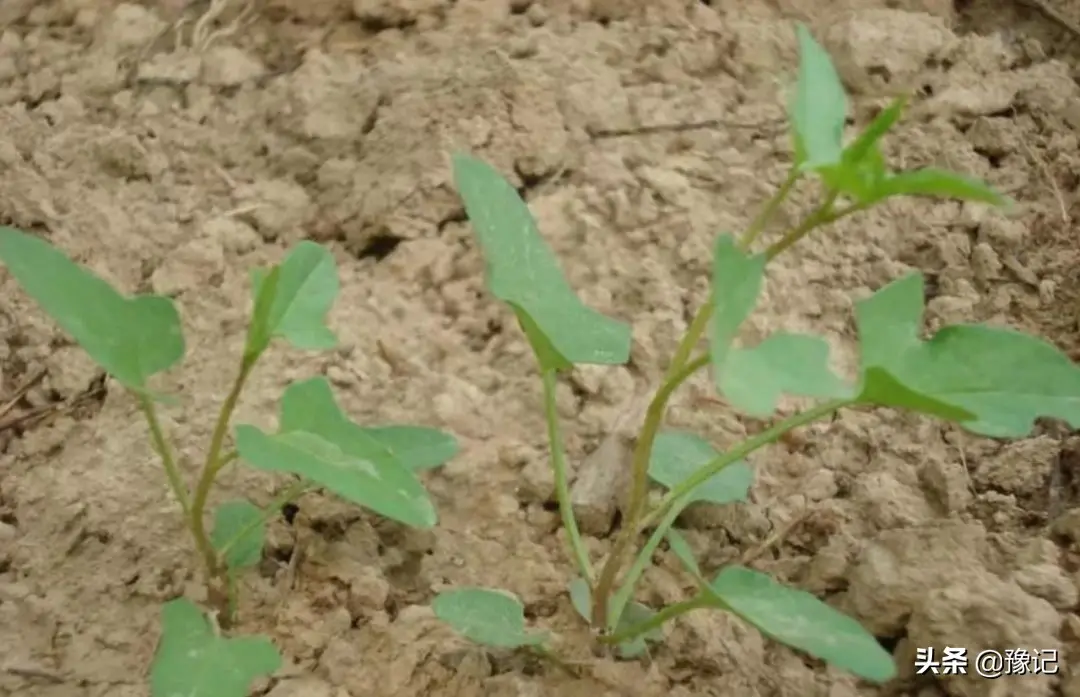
(171, 156)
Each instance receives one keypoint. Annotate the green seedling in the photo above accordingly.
(487, 616)
(134, 339)
(991, 381)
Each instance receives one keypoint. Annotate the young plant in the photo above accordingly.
(993, 382)
(135, 338)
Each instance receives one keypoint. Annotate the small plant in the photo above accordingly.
(993, 382)
(135, 338)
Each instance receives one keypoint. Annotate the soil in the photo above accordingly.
(172, 156)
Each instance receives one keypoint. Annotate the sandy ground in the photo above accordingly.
(173, 161)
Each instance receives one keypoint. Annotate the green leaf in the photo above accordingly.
(131, 338)
(796, 364)
(862, 168)
(634, 613)
(239, 524)
(736, 284)
(392, 492)
(490, 617)
(524, 273)
(860, 180)
(939, 183)
(317, 441)
(682, 551)
(307, 285)
(581, 598)
(547, 355)
(819, 107)
(889, 323)
(192, 660)
(798, 619)
(417, 448)
(309, 406)
(865, 145)
(676, 455)
(881, 388)
(996, 382)
(260, 331)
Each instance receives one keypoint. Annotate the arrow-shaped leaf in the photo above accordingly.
(317, 441)
(132, 338)
(524, 273)
(800, 620)
(192, 660)
(996, 382)
(753, 379)
(296, 304)
(487, 616)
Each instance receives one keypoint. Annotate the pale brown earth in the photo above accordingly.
(174, 168)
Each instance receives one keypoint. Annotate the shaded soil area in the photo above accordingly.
(171, 155)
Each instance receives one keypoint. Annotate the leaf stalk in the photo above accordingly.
(740, 451)
(161, 445)
(678, 372)
(768, 211)
(213, 465)
(656, 621)
(562, 485)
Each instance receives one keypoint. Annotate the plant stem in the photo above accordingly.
(766, 437)
(677, 373)
(562, 485)
(694, 333)
(658, 620)
(822, 215)
(161, 444)
(626, 589)
(847, 210)
(758, 224)
(210, 471)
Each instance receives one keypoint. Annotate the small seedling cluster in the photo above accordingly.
(135, 338)
(992, 382)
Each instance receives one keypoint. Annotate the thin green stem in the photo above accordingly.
(668, 613)
(822, 215)
(294, 492)
(562, 484)
(847, 210)
(212, 467)
(680, 369)
(161, 444)
(625, 592)
(694, 332)
(636, 519)
(686, 372)
(761, 221)
(766, 437)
